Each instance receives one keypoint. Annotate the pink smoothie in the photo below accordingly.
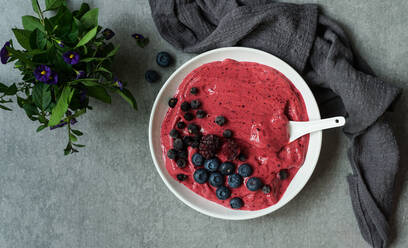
(258, 101)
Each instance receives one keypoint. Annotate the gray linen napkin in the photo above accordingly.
(318, 49)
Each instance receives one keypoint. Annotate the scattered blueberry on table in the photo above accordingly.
(163, 59)
(152, 76)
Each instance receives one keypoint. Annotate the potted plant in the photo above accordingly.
(65, 61)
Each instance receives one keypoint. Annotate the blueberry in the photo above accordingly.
(242, 157)
(181, 125)
(181, 163)
(152, 76)
(227, 168)
(174, 133)
(195, 104)
(197, 159)
(223, 193)
(235, 180)
(216, 179)
(188, 116)
(172, 102)
(172, 154)
(187, 140)
(212, 164)
(163, 59)
(227, 133)
(245, 170)
(266, 189)
(283, 174)
(178, 144)
(220, 120)
(254, 183)
(185, 106)
(236, 203)
(201, 114)
(193, 129)
(194, 91)
(183, 154)
(201, 176)
(181, 177)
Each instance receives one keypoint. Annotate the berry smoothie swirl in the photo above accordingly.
(225, 134)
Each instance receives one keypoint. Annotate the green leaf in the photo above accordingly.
(3, 87)
(90, 19)
(102, 69)
(23, 37)
(41, 95)
(78, 145)
(86, 60)
(30, 110)
(88, 37)
(53, 4)
(99, 93)
(125, 94)
(38, 39)
(86, 81)
(62, 106)
(11, 90)
(77, 132)
(35, 5)
(113, 52)
(84, 8)
(72, 138)
(40, 128)
(30, 23)
(4, 107)
(68, 149)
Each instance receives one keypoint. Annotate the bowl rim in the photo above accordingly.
(311, 105)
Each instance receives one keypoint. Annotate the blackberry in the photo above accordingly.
(194, 91)
(193, 129)
(185, 106)
(181, 177)
(220, 120)
(173, 102)
(266, 189)
(195, 104)
(187, 140)
(174, 133)
(183, 154)
(231, 149)
(188, 116)
(201, 114)
(178, 144)
(181, 162)
(172, 154)
(283, 174)
(209, 145)
(227, 133)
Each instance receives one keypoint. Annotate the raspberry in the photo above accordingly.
(209, 145)
(231, 149)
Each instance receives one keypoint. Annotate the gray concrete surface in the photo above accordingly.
(110, 195)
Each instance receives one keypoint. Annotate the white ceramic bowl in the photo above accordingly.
(160, 108)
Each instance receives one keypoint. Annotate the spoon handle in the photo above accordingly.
(300, 128)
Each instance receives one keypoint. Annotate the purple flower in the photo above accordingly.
(138, 36)
(108, 34)
(4, 54)
(118, 83)
(60, 43)
(71, 57)
(53, 79)
(63, 123)
(43, 73)
(80, 74)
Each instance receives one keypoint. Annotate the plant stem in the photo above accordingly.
(40, 13)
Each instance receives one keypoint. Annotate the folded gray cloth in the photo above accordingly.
(318, 49)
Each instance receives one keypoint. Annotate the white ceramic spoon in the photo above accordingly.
(299, 128)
